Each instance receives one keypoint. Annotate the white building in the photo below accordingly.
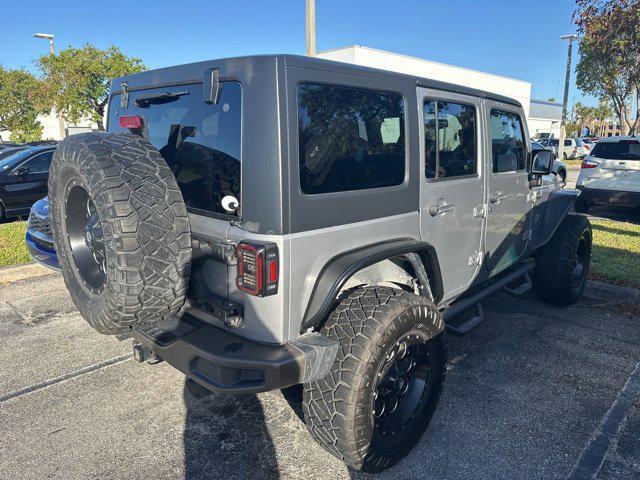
(52, 130)
(541, 116)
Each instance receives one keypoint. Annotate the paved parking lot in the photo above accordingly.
(535, 392)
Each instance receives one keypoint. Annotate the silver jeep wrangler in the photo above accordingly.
(266, 221)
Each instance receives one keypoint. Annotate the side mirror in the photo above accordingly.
(541, 162)
(22, 171)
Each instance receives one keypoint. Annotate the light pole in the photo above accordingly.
(47, 36)
(311, 27)
(567, 77)
(52, 51)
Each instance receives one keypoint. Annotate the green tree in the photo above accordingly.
(572, 129)
(609, 65)
(583, 113)
(20, 104)
(77, 79)
(603, 111)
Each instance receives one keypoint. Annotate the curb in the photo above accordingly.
(606, 292)
(24, 271)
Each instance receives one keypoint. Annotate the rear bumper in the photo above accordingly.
(226, 363)
(609, 197)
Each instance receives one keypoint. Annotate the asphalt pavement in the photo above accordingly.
(535, 392)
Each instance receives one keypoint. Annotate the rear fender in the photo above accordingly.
(342, 267)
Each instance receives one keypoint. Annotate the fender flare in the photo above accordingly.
(556, 208)
(340, 268)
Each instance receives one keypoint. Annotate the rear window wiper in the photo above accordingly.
(155, 99)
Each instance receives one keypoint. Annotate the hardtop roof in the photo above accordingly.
(194, 72)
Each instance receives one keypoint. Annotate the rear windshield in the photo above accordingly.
(200, 142)
(629, 150)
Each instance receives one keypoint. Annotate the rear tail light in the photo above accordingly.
(258, 268)
(586, 163)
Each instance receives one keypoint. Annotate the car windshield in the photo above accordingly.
(13, 158)
(627, 150)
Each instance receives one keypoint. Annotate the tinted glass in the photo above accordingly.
(450, 144)
(13, 158)
(617, 151)
(430, 139)
(508, 147)
(9, 152)
(567, 143)
(349, 139)
(199, 141)
(40, 163)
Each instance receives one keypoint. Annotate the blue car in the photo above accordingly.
(39, 237)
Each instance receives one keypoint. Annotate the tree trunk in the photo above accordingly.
(99, 109)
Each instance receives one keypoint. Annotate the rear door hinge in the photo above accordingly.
(124, 95)
(476, 258)
(480, 210)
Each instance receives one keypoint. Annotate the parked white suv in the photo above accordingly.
(573, 148)
(610, 174)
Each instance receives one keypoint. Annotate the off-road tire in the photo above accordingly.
(554, 277)
(147, 238)
(338, 409)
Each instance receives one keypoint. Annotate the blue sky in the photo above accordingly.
(515, 38)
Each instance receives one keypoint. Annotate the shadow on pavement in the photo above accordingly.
(225, 437)
(621, 214)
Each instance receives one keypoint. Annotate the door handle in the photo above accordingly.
(497, 197)
(440, 208)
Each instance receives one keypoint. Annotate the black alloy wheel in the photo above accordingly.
(86, 238)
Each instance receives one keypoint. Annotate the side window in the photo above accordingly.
(450, 143)
(40, 163)
(508, 147)
(349, 139)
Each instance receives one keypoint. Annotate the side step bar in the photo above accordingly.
(473, 301)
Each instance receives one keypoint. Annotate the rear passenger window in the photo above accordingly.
(450, 142)
(508, 147)
(349, 139)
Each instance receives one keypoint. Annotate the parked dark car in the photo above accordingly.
(39, 238)
(23, 179)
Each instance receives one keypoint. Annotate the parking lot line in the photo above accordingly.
(595, 451)
(62, 378)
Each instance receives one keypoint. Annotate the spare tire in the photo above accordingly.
(121, 230)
